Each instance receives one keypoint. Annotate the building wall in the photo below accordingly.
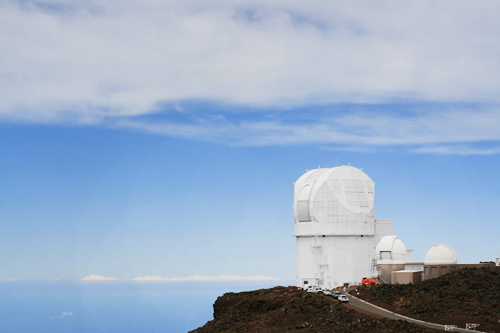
(385, 270)
(333, 260)
(433, 271)
(482, 264)
(414, 266)
(406, 277)
(382, 228)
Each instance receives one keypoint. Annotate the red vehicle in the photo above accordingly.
(369, 281)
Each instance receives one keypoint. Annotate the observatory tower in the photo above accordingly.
(334, 219)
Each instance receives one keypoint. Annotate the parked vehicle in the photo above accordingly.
(369, 281)
(336, 294)
(314, 289)
(343, 298)
(327, 292)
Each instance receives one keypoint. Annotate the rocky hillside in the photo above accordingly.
(469, 295)
(289, 309)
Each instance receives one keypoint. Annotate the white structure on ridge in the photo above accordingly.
(335, 227)
(391, 250)
(391, 255)
(441, 254)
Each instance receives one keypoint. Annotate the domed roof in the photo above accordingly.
(441, 254)
(390, 249)
(319, 192)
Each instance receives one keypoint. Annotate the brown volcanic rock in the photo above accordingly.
(288, 309)
(469, 295)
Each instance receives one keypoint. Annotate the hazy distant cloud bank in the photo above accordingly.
(98, 278)
(206, 278)
(111, 62)
(193, 278)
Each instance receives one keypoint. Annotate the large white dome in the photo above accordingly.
(390, 249)
(441, 254)
(321, 195)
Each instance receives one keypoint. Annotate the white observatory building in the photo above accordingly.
(335, 227)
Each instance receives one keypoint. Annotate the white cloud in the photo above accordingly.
(107, 62)
(200, 278)
(459, 150)
(9, 280)
(98, 278)
(63, 315)
(109, 58)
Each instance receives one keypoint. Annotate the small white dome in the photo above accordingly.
(441, 254)
(390, 249)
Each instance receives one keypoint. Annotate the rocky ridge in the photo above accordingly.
(468, 295)
(290, 309)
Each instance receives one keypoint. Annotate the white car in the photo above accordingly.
(314, 289)
(327, 292)
(343, 298)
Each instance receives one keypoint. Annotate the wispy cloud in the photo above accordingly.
(9, 280)
(358, 130)
(98, 278)
(459, 150)
(201, 278)
(63, 315)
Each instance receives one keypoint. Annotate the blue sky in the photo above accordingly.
(151, 138)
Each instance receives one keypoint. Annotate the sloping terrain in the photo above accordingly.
(469, 295)
(289, 309)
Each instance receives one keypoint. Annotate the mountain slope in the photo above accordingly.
(469, 295)
(289, 309)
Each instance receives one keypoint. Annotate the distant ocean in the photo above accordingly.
(60, 306)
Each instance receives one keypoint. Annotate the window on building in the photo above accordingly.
(385, 255)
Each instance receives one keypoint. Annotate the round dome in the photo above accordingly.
(390, 249)
(441, 254)
(322, 195)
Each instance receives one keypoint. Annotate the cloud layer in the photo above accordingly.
(193, 278)
(113, 62)
(98, 278)
(200, 278)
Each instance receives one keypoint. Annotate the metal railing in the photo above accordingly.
(382, 279)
